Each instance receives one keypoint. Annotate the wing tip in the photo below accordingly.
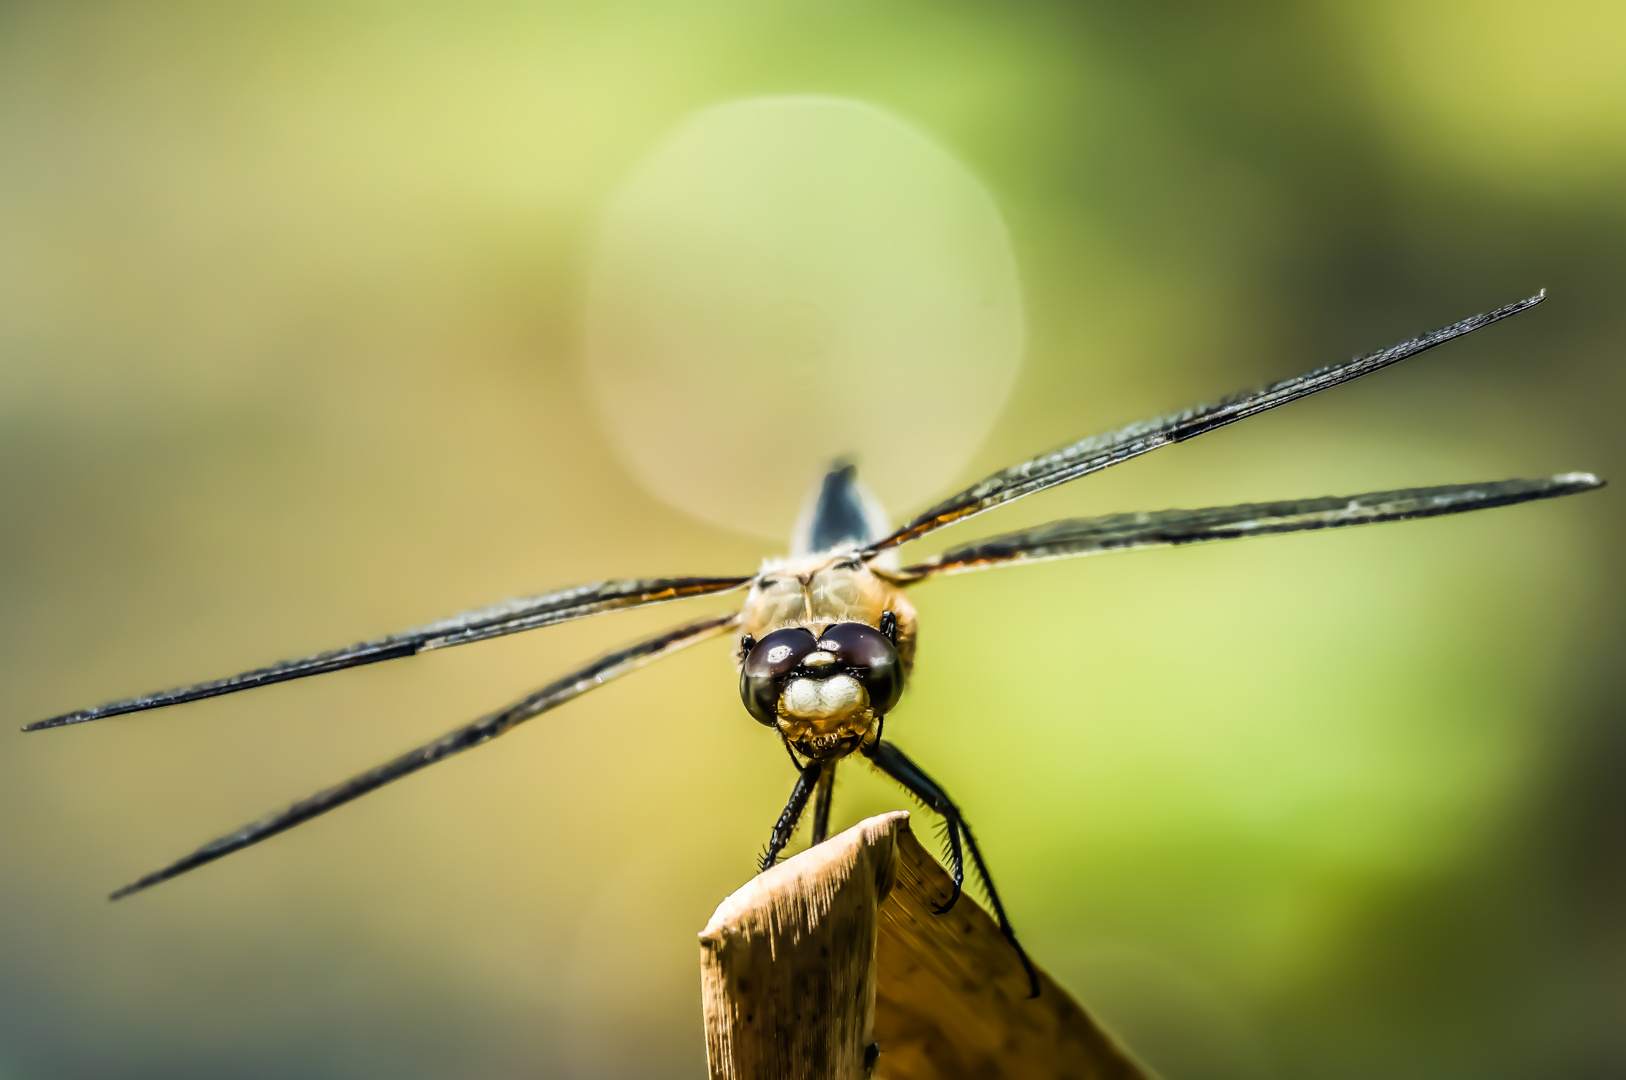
(1506, 311)
(1579, 481)
(135, 886)
(64, 720)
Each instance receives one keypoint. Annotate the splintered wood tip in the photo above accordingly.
(834, 964)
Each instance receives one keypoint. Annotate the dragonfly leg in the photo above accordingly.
(786, 826)
(896, 764)
(821, 803)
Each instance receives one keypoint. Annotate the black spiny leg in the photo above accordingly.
(896, 764)
(786, 826)
(821, 804)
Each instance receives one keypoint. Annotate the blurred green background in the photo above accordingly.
(290, 354)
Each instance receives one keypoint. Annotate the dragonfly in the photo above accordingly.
(824, 637)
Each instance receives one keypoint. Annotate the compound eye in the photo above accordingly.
(779, 652)
(857, 645)
(766, 665)
(870, 656)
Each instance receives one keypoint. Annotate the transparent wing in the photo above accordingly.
(1101, 451)
(508, 617)
(551, 696)
(1119, 532)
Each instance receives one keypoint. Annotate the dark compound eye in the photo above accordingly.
(871, 657)
(857, 645)
(766, 665)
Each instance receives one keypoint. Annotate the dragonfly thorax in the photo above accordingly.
(822, 589)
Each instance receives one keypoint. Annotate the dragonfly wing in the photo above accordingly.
(607, 667)
(508, 617)
(1118, 532)
(1115, 447)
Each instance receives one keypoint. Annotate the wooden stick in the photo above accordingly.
(837, 950)
(787, 963)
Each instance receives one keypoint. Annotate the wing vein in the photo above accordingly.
(497, 620)
(1074, 537)
(1115, 447)
(567, 688)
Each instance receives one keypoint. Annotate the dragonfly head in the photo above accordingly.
(823, 692)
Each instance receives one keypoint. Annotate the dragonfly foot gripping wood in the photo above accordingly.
(835, 965)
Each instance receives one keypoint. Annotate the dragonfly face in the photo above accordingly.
(827, 646)
(826, 693)
(827, 637)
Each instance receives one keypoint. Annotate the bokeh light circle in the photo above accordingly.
(784, 281)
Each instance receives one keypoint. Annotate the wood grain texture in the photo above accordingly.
(787, 963)
(952, 998)
(839, 946)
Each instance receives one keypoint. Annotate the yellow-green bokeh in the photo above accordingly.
(291, 314)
